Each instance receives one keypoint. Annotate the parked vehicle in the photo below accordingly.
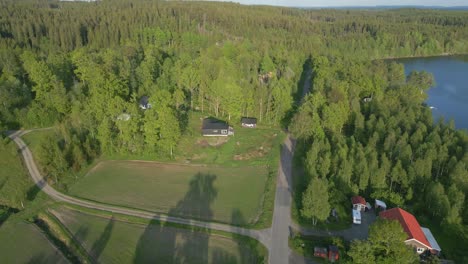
(332, 253)
(356, 217)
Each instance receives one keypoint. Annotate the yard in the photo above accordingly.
(259, 146)
(21, 242)
(225, 194)
(111, 240)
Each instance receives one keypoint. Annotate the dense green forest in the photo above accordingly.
(84, 66)
(387, 148)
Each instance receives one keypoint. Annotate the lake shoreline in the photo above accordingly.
(449, 95)
(423, 56)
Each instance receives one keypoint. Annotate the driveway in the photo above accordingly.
(354, 232)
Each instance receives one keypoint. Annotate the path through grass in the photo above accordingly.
(113, 241)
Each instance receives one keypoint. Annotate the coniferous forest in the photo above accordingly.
(84, 67)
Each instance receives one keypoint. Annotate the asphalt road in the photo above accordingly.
(281, 228)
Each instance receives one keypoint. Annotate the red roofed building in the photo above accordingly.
(359, 203)
(416, 236)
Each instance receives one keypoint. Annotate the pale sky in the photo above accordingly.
(319, 3)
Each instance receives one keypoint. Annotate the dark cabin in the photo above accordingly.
(144, 103)
(250, 122)
(216, 128)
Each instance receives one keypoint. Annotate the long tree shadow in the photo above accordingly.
(161, 244)
(100, 244)
(32, 192)
(299, 93)
(246, 247)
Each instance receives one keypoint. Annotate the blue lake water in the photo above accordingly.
(449, 97)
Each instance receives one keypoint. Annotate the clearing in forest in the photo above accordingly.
(248, 146)
(224, 194)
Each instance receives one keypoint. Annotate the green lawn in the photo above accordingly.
(22, 242)
(226, 194)
(16, 187)
(113, 241)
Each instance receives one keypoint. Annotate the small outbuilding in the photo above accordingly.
(249, 122)
(144, 103)
(213, 127)
(359, 203)
(380, 205)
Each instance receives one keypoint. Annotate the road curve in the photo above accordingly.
(261, 235)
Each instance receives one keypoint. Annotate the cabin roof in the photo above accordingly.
(212, 123)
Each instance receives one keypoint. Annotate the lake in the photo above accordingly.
(449, 97)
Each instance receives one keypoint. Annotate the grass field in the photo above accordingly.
(22, 242)
(113, 241)
(223, 194)
(15, 184)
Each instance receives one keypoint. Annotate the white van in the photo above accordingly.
(356, 217)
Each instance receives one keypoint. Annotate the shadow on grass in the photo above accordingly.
(242, 244)
(32, 192)
(37, 259)
(166, 244)
(100, 244)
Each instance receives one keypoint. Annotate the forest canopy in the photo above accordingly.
(83, 67)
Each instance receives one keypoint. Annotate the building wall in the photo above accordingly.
(214, 132)
(359, 207)
(415, 244)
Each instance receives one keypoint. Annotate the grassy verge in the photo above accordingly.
(119, 238)
(60, 236)
(304, 245)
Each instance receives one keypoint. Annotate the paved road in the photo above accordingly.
(280, 251)
(261, 235)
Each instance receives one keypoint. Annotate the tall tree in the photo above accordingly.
(315, 204)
